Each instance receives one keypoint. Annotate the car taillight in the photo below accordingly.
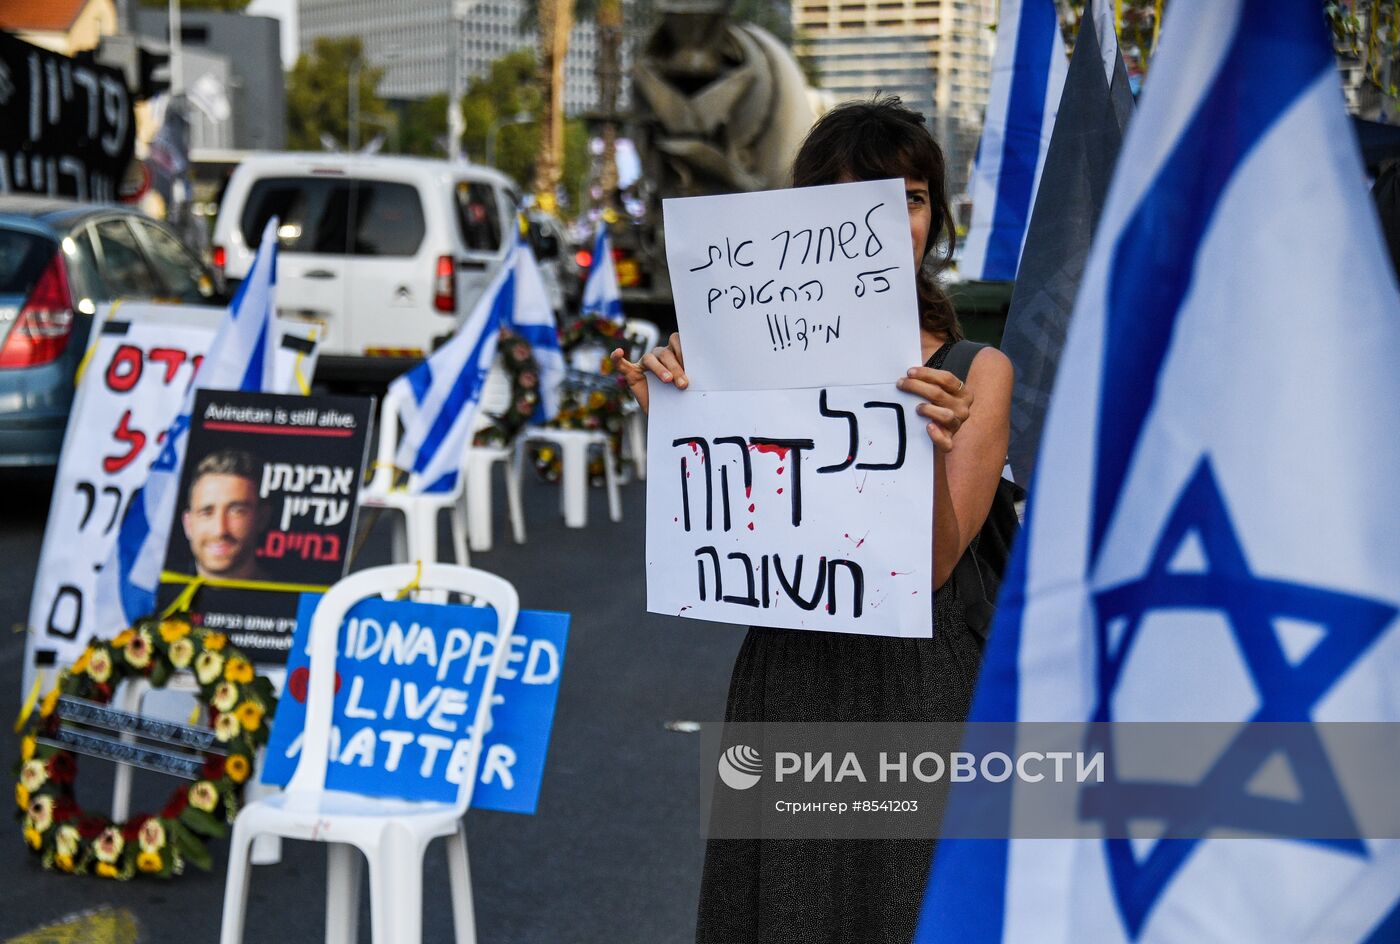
(584, 258)
(220, 256)
(42, 328)
(445, 285)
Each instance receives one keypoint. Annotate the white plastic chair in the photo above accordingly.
(392, 834)
(650, 336)
(573, 446)
(415, 537)
(475, 506)
(131, 696)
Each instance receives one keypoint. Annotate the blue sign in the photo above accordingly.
(408, 683)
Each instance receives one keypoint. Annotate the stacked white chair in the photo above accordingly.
(392, 834)
(416, 535)
(475, 506)
(649, 336)
(574, 446)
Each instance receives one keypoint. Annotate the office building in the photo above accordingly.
(934, 54)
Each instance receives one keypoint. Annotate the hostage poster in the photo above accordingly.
(267, 505)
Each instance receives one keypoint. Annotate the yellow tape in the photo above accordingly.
(302, 383)
(87, 355)
(30, 701)
(194, 584)
(413, 584)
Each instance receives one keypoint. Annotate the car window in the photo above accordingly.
(388, 219)
(180, 272)
(313, 213)
(82, 271)
(122, 267)
(22, 257)
(479, 216)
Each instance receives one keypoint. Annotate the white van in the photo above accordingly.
(386, 254)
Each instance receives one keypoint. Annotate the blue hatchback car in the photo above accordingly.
(59, 260)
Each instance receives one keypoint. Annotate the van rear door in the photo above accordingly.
(393, 271)
(482, 222)
(313, 236)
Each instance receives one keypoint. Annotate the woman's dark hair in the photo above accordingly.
(875, 140)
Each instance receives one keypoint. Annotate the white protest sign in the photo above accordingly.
(805, 508)
(141, 359)
(785, 288)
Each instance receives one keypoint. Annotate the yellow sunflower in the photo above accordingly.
(106, 871)
(123, 637)
(249, 715)
(215, 641)
(171, 630)
(238, 670)
(148, 862)
(237, 768)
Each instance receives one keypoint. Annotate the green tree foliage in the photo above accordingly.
(508, 89)
(318, 96)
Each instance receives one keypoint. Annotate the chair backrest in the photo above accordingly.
(387, 447)
(647, 332)
(495, 397)
(309, 779)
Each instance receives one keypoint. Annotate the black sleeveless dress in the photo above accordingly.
(811, 891)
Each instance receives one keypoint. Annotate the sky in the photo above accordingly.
(286, 11)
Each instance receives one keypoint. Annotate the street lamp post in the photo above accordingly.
(519, 118)
(456, 16)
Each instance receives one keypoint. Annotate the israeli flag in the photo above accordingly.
(441, 396)
(1208, 536)
(241, 357)
(532, 317)
(1028, 75)
(601, 297)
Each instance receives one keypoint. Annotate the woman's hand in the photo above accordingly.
(667, 363)
(949, 402)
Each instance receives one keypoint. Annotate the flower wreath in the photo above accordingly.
(519, 362)
(590, 405)
(599, 331)
(67, 837)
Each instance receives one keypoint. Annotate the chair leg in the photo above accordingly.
(610, 479)
(459, 875)
(517, 510)
(637, 443)
(396, 888)
(574, 452)
(344, 864)
(478, 493)
(398, 536)
(236, 885)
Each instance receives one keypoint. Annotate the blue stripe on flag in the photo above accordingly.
(420, 381)
(131, 537)
(253, 377)
(1020, 150)
(468, 383)
(975, 869)
(538, 336)
(1151, 272)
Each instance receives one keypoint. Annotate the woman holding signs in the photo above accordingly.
(865, 890)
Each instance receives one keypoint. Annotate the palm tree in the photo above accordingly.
(555, 19)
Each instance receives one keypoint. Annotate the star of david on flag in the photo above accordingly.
(1208, 537)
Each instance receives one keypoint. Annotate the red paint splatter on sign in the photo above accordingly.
(750, 525)
(751, 509)
(779, 451)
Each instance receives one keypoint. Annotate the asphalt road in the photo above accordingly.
(615, 851)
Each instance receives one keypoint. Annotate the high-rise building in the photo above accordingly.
(934, 54)
(411, 40)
